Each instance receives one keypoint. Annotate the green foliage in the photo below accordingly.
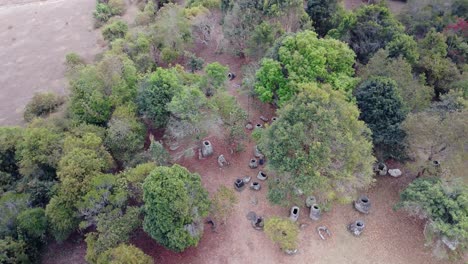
(282, 231)
(113, 228)
(232, 115)
(438, 136)
(124, 254)
(368, 29)
(125, 133)
(443, 205)
(117, 7)
(175, 204)
(405, 46)
(263, 37)
(194, 63)
(415, 95)
(41, 105)
(383, 111)
(88, 102)
(116, 29)
(9, 140)
(325, 14)
(40, 149)
(13, 251)
(135, 178)
(319, 146)
(11, 205)
(156, 91)
(223, 203)
(102, 14)
(171, 32)
(73, 61)
(104, 193)
(304, 57)
(205, 3)
(32, 223)
(187, 104)
(61, 217)
(215, 78)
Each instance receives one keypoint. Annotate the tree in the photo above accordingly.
(62, 218)
(325, 14)
(11, 205)
(88, 102)
(156, 91)
(263, 37)
(305, 58)
(171, 32)
(124, 254)
(32, 223)
(282, 231)
(368, 29)
(9, 174)
(41, 105)
(175, 204)
(13, 251)
(443, 205)
(223, 203)
(319, 146)
(116, 29)
(383, 111)
(125, 134)
(438, 137)
(415, 95)
(215, 78)
(188, 104)
(117, 6)
(135, 178)
(114, 227)
(405, 46)
(40, 150)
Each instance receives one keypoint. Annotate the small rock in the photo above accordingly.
(291, 251)
(246, 179)
(264, 119)
(222, 161)
(395, 173)
(249, 126)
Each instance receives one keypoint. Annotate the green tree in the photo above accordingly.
(114, 30)
(88, 103)
(9, 170)
(439, 137)
(61, 217)
(117, 6)
(13, 251)
(102, 14)
(40, 149)
(125, 133)
(405, 46)
(135, 178)
(41, 105)
(415, 95)
(263, 37)
(113, 228)
(11, 205)
(124, 254)
(319, 146)
(175, 204)
(305, 58)
(443, 205)
(171, 32)
(368, 29)
(156, 91)
(223, 203)
(282, 231)
(215, 78)
(32, 223)
(383, 111)
(325, 14)
(187, 104)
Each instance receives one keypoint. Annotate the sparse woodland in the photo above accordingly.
(350, 89)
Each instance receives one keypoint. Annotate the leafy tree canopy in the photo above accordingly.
(175, 204)
(124, 254)
(305, 58)
(318, 145)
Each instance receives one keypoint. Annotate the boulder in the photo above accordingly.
(257, 152)
(356, 228)
(249, 126)
(395, 173)
(255, 186)
(222, 161)
(310, 200)
(253, 164)
(264, 119)
(246, 179)
(381, 169)
(362, 204)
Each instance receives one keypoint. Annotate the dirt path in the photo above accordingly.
(35, 36)
(390, 237)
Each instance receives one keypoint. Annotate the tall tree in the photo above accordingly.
(325, 14)
(318, 146)
(175, 204)
(383, 111)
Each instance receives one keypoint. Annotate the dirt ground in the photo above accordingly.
(35, 36)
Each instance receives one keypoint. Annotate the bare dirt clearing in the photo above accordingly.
(35, 36)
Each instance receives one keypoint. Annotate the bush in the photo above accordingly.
(13, 251)
(41, 105)
(117, 7)
(32, 223)
(73, 60)
(223, 203)
(282, 231)
(115, 30)
(124, 254)
(102, 14)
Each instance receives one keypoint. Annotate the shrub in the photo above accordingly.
(102, 14)
(282, 231)
(124, 254)
(42, 104)
(223, 203)
(117, 7)
(115, 30)
(32, 223)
